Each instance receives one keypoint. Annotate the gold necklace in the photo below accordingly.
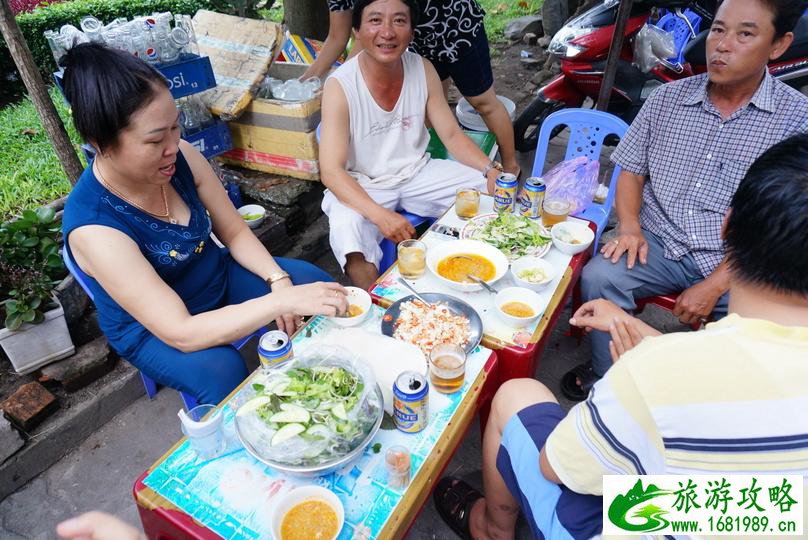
(166, 213)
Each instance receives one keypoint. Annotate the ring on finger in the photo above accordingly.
(615, 242)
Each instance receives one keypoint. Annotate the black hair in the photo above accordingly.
(765, 236)
(104, 87)
(786, 14)
(360, 5)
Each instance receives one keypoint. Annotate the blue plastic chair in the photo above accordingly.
(389, 252)
(682, 33)
(148, 383)
(588, 128)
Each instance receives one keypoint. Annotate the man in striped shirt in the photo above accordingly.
(732, 398)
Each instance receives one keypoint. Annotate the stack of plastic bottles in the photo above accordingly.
(194, 115)
(291, 90)
(151, 38)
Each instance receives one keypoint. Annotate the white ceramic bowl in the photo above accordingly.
(359, 298)
(525, 263)
(437, 253)
(303, 494)
(578, 231)
(248, 209)
(517, 294)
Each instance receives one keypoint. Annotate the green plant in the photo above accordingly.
(30, 173)
(30, 266)
(53, 16)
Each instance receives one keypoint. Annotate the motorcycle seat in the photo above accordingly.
(695, 51)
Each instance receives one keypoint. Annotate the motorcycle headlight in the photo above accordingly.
(561, 45)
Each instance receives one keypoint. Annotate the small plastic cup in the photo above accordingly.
(411, 259)
(399, 467)
(467, 202)
(203, 427)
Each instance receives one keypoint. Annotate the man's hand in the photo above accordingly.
(625, 336)
(697, 302)
(630, 241)
(394, 226)
(491, 178)
(598, 315)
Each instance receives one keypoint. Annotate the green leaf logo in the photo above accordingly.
(622, 505)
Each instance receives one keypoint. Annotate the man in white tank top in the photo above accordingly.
(373, 157)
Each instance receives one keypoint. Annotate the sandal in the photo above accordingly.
(576, 383)
(453, 499)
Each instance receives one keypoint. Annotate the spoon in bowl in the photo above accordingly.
(482, 282)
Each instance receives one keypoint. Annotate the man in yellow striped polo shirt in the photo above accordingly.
(732, 398)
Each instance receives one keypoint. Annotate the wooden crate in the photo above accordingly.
(278, 136)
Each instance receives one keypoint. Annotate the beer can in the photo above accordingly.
(274, 348)
(505, 192)
(411, 402)
(531, 197)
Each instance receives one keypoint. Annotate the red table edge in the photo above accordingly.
(164, 523)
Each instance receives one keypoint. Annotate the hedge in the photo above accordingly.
(52, 17)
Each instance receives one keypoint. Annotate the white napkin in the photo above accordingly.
(387, 356)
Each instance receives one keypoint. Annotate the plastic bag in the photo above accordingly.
(651, 45)
(574, 180)
(327, 434)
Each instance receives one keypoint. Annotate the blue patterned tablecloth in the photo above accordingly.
(233, 494)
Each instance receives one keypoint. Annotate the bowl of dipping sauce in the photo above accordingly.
(358, 308)
(571, 238)
(532, 272)
(253, 215)
(308, 512)
(517, 306)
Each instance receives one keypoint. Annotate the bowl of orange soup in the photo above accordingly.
(308, 512)
(518, 307)
(453, 263)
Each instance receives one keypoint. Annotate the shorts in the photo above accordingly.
(551, 510)
(471, 72)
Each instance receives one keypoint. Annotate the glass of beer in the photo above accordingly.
(467, 202)
(554, 211)
(411, 259)
(447, 368)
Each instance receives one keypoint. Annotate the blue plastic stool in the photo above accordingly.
(588, 128)
(389, 252)
(670, 22)
(148, 383)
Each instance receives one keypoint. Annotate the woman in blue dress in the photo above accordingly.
(139, 224)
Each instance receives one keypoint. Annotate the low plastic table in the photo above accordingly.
(232, 495)
(517, 349)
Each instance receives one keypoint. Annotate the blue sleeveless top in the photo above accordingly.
(184, 257)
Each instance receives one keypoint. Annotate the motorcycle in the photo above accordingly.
(583, 46)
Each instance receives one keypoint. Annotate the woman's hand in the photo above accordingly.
(288, 322)
(320, 298)
(97, 526)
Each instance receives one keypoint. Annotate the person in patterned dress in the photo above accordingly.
(139, 223)
(451, 35)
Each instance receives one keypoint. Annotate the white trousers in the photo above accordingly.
(428, 194)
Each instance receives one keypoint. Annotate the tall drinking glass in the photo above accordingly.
(411, 259)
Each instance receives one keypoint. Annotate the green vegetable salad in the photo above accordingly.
(309, 415)
(513, 234)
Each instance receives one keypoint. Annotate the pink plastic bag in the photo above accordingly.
(574, 180)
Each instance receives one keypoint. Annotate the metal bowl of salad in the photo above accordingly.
(310, 417)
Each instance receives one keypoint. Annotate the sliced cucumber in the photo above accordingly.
(338, 410)
(291, 414)
(252, 405)
(287, 432)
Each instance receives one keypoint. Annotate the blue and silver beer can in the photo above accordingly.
(531, 197)
(274, 348)
(505, 192)
(411, 402)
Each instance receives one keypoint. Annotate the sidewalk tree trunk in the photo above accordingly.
(39, 93)
(307, 18)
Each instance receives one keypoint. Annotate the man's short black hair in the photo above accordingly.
(767, 231)
(786, 14)
(104, 87)
(360, 5)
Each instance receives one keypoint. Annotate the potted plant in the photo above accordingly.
(34, 329)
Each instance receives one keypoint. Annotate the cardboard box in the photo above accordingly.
(278, 136)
